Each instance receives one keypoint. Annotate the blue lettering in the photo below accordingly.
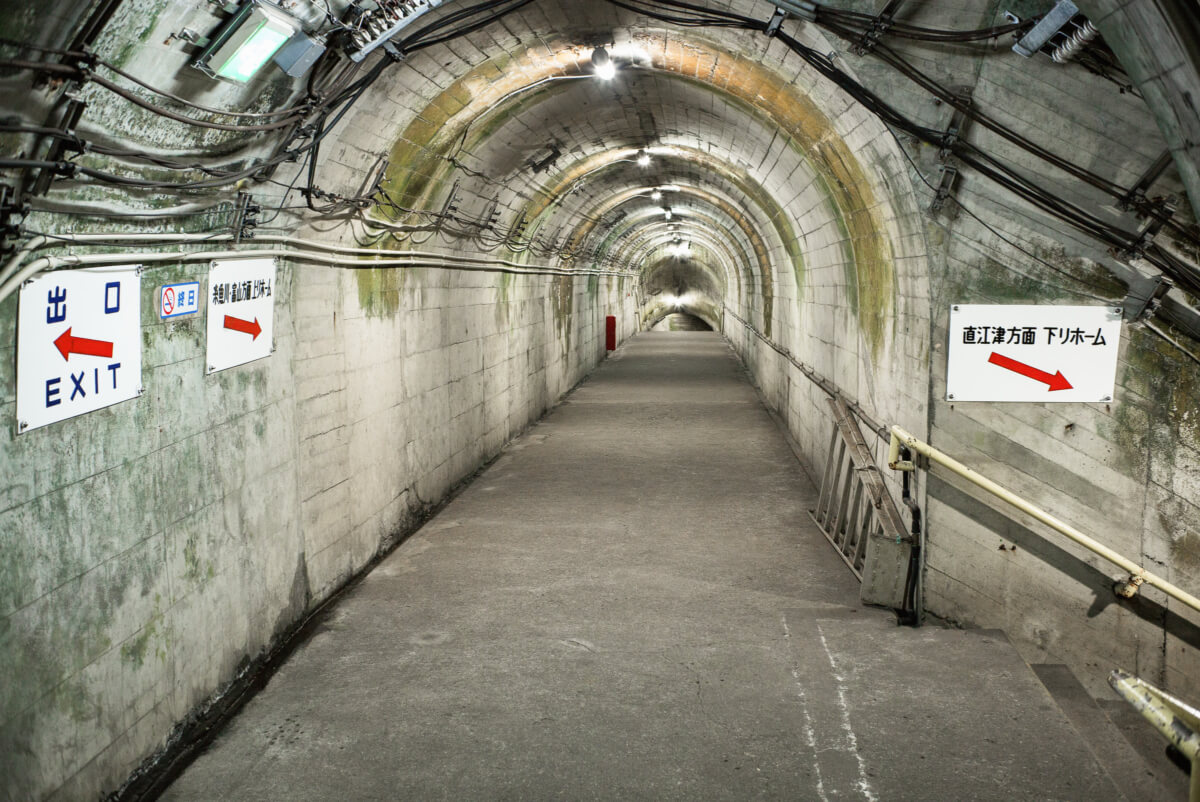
(113, 369)
(78, 382)
(52, 399)
(112, 297)
(57, 311)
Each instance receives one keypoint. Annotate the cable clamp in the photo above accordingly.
(776, 21)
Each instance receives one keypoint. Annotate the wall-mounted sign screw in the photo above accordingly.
(1106, 398)
(950, 396)
(211, 368)
(23, 425)
(955, 307)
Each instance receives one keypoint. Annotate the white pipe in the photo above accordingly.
(12, 265)
(392, 258)
(1137, 574)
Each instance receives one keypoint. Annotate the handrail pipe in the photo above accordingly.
(1138, 575)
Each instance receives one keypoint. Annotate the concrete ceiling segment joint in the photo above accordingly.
(722, 73)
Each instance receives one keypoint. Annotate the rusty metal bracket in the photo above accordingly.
(1129, 588)
(71, 116)
(958, 123)
(10, 207)
(776, 21)
(945, 187)
(1159, 212)
(955, 130)
(245, 217)
(1145, 296)
(1135, 198)
(883, 21)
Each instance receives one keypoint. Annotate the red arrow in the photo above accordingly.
(1056, 381)
(244, 326)
(68, 345)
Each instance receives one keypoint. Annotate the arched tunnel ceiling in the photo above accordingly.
(738, 131)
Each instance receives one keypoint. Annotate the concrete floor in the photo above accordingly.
(633, 603)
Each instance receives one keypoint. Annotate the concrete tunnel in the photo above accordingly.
(319, 263)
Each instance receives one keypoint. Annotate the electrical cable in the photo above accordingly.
(990, 228)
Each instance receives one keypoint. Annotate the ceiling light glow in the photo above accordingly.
(602, 65)
(246, 42)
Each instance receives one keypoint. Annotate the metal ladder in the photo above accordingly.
(858, 517)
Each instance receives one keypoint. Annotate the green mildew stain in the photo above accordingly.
(419, 160)
(503, 284)
(19, 21)
(379, 290)
(562, 296)
(10, 144)
(871, 277)
(195, 569)
(73, 700)
(1156, 402)
(150, 15)
(1185, 550)
(133, 651)
(1129, 430)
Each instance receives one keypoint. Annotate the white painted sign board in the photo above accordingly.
(177, 300)
(79, 343)
(1032, 353)
(241, 312)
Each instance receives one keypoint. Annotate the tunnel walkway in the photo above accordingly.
(632, 602)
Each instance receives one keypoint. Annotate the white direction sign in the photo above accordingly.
(79, 343)
(241, 312)
(1032, 353)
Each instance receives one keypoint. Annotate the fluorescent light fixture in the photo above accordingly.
(602, 64)
(246, 42)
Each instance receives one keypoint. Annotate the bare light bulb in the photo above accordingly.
(643, 159)
(602, 64)
(656, 195)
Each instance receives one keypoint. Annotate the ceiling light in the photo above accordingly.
(643, 159)
(667, 213)
(602, 65)
(246, 41)
(656, 195)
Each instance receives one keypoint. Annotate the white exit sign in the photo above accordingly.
(1042, 353)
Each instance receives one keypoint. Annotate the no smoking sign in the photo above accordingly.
(177, 300)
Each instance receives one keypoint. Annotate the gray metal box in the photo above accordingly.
(299, 54)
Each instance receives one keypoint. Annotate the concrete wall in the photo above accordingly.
(1124, 472)
(155, 548)
(159, 546)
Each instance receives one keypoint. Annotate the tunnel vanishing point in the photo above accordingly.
(278, 277)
